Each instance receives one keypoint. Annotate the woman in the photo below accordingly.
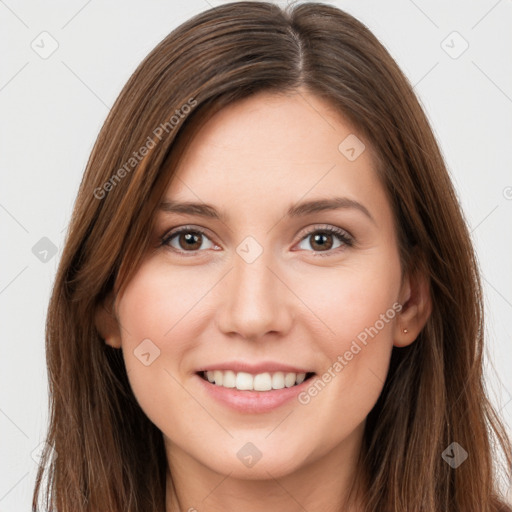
(268, 297)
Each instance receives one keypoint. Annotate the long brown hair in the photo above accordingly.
(103, 453)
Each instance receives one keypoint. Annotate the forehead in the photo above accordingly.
(272, 150)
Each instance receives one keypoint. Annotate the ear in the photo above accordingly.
(416, 308)
(106, 322)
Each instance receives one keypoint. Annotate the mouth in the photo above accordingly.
(262, 382)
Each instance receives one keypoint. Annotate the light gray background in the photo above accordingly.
(52, 109)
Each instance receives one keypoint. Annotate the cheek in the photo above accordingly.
(155, 311)
(358, 310)
(159, 305)
(351, 300)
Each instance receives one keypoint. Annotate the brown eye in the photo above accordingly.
(192, 241)
(327, 239)
(323, 241)
(187, 240)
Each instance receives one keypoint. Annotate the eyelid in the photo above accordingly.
(327, 227)
(185, 227)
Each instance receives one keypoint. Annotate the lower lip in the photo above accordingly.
(252, 401)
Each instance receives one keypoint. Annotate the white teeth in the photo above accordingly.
(243, 381)
(289, 379)
(217, 375)
(261, 382)
(229, 379)
(278, 380)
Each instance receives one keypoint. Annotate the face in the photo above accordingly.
(257, 332)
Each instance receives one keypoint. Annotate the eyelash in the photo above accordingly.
(346, 239)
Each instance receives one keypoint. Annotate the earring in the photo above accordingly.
(405, 331)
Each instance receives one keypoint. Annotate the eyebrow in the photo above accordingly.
(298, 210)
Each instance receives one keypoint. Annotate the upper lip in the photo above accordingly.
(263, 367)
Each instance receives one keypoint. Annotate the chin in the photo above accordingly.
(257, 460)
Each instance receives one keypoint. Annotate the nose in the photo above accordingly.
(255, 300)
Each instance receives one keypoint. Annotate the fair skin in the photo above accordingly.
(301, 302)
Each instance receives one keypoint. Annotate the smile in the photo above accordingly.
(244, 381)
